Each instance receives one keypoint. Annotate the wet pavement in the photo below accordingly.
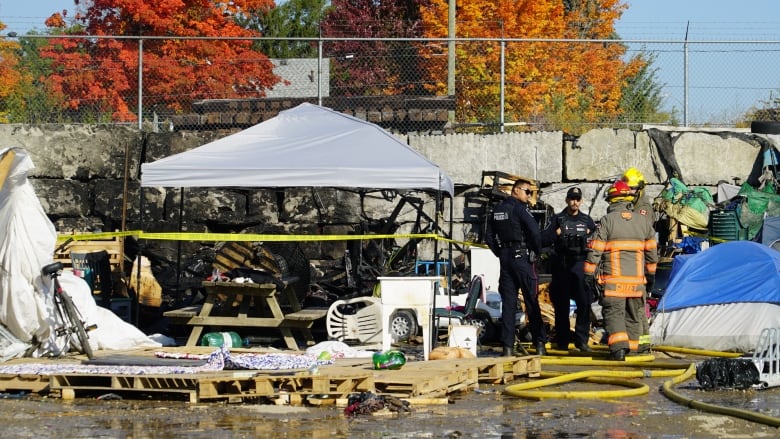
(484, 413)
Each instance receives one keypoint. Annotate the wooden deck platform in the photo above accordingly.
(420, 382)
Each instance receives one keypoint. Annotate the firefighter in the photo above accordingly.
(513, 235)
(568, 232)
(636, 181)
(621, 252)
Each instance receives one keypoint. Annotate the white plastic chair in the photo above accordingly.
(363, 327)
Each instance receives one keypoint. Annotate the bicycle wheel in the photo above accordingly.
(73, 316)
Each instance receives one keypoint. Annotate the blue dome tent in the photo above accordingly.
(720, 299)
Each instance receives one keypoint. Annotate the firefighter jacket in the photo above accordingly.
(513, 226)
(622, 250)
(643, 206)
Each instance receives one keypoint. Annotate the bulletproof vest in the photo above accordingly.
(574, 235)
(509, 231)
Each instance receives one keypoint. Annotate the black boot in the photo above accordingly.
(583, 347)
(618, 355)
(540, 349)
(508, 352)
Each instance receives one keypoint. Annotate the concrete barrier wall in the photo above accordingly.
(80, 173)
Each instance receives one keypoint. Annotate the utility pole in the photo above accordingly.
(451, 55)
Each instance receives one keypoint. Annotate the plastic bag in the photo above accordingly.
(727, 373)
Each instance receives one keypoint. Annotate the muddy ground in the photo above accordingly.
(483, 413)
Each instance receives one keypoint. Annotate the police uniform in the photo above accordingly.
(624, 248)
(568, 277)
(513, 235)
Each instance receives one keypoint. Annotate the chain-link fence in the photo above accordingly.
(483, 85)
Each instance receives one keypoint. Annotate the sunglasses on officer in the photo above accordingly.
(526, 190)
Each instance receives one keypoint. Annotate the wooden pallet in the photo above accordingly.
(419, 382)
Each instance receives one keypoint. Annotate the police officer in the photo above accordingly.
(623, 249)
(568, 232)
(513, 235)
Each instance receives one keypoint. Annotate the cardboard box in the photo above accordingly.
(464, 336)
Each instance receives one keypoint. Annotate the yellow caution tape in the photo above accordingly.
(253, 237)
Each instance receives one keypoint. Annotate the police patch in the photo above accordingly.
(500, 216)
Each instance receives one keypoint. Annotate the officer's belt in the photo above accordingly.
(513, 244)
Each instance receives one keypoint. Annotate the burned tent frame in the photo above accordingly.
(306, 146)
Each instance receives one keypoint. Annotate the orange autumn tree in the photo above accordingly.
(98, 77)
(552, 83)
(10, 76)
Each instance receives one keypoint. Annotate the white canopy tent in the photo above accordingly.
(305, 146)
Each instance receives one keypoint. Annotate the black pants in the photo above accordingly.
(517, 273)
(568, 282)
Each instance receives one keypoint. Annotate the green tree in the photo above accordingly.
(291, 19)
(768, 110)
(641, 96)
(35, 101)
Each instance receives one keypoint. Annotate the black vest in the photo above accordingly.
(574, 235)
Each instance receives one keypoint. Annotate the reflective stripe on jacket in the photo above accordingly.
(624, 247)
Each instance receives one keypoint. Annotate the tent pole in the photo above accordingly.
(436, 212)
(178, 245)
(139, 253)
(449, 252)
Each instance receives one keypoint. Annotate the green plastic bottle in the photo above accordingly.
(389, 360)
(218, 339)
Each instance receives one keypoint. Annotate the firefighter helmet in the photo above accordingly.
(634, 178)
(619, 191)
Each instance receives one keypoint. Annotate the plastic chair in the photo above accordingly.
(724, 225)
(96, 271)
(476, 292)
(363, 326)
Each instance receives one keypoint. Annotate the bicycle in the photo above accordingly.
(70, 317)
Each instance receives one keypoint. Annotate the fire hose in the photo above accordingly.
(634, 388)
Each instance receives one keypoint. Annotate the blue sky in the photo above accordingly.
(718, 83)
(710, 19)
(724, 81)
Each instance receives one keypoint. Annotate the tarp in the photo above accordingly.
(720, 298)
(306, 146)
(27, 241)
(735, 271)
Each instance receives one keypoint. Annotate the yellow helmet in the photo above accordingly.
(634, 178)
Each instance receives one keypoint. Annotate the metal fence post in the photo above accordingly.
(140, 83)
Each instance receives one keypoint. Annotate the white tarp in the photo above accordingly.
(27, 242)
(731, 327)
(305, 146)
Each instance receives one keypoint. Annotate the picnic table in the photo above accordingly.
(258, 307)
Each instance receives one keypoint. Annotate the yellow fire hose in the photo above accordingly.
(668, 390)
(635, 388)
